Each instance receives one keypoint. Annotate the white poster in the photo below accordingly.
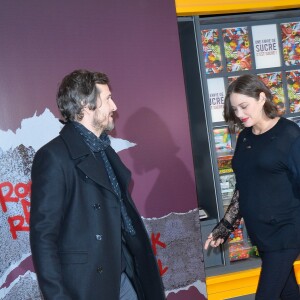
(216, 91)
(266, 49)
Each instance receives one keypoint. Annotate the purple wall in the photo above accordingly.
(136, 43)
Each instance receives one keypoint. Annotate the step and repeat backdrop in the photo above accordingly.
(136, 44)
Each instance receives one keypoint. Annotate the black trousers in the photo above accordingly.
(277, 278)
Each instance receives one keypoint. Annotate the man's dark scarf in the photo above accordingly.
(97, 145)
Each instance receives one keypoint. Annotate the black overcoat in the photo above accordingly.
(75, 225)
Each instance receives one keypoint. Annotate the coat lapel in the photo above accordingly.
(94, 170)
(122, 172)
(87, 162)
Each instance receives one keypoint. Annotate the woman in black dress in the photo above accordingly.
(266, 164)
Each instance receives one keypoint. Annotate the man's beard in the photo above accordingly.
(110, 126)
(97, 124)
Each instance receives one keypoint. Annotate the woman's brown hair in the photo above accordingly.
(249, 85)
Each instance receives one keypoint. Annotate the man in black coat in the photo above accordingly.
(87, 238)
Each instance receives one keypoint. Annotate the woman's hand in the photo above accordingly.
(211, 242)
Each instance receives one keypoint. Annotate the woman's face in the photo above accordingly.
(249, 110)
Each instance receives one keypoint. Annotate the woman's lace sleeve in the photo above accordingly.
(230, 220)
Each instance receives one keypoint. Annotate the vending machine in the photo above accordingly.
(215, 51)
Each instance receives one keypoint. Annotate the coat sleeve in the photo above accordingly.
(48, 193)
